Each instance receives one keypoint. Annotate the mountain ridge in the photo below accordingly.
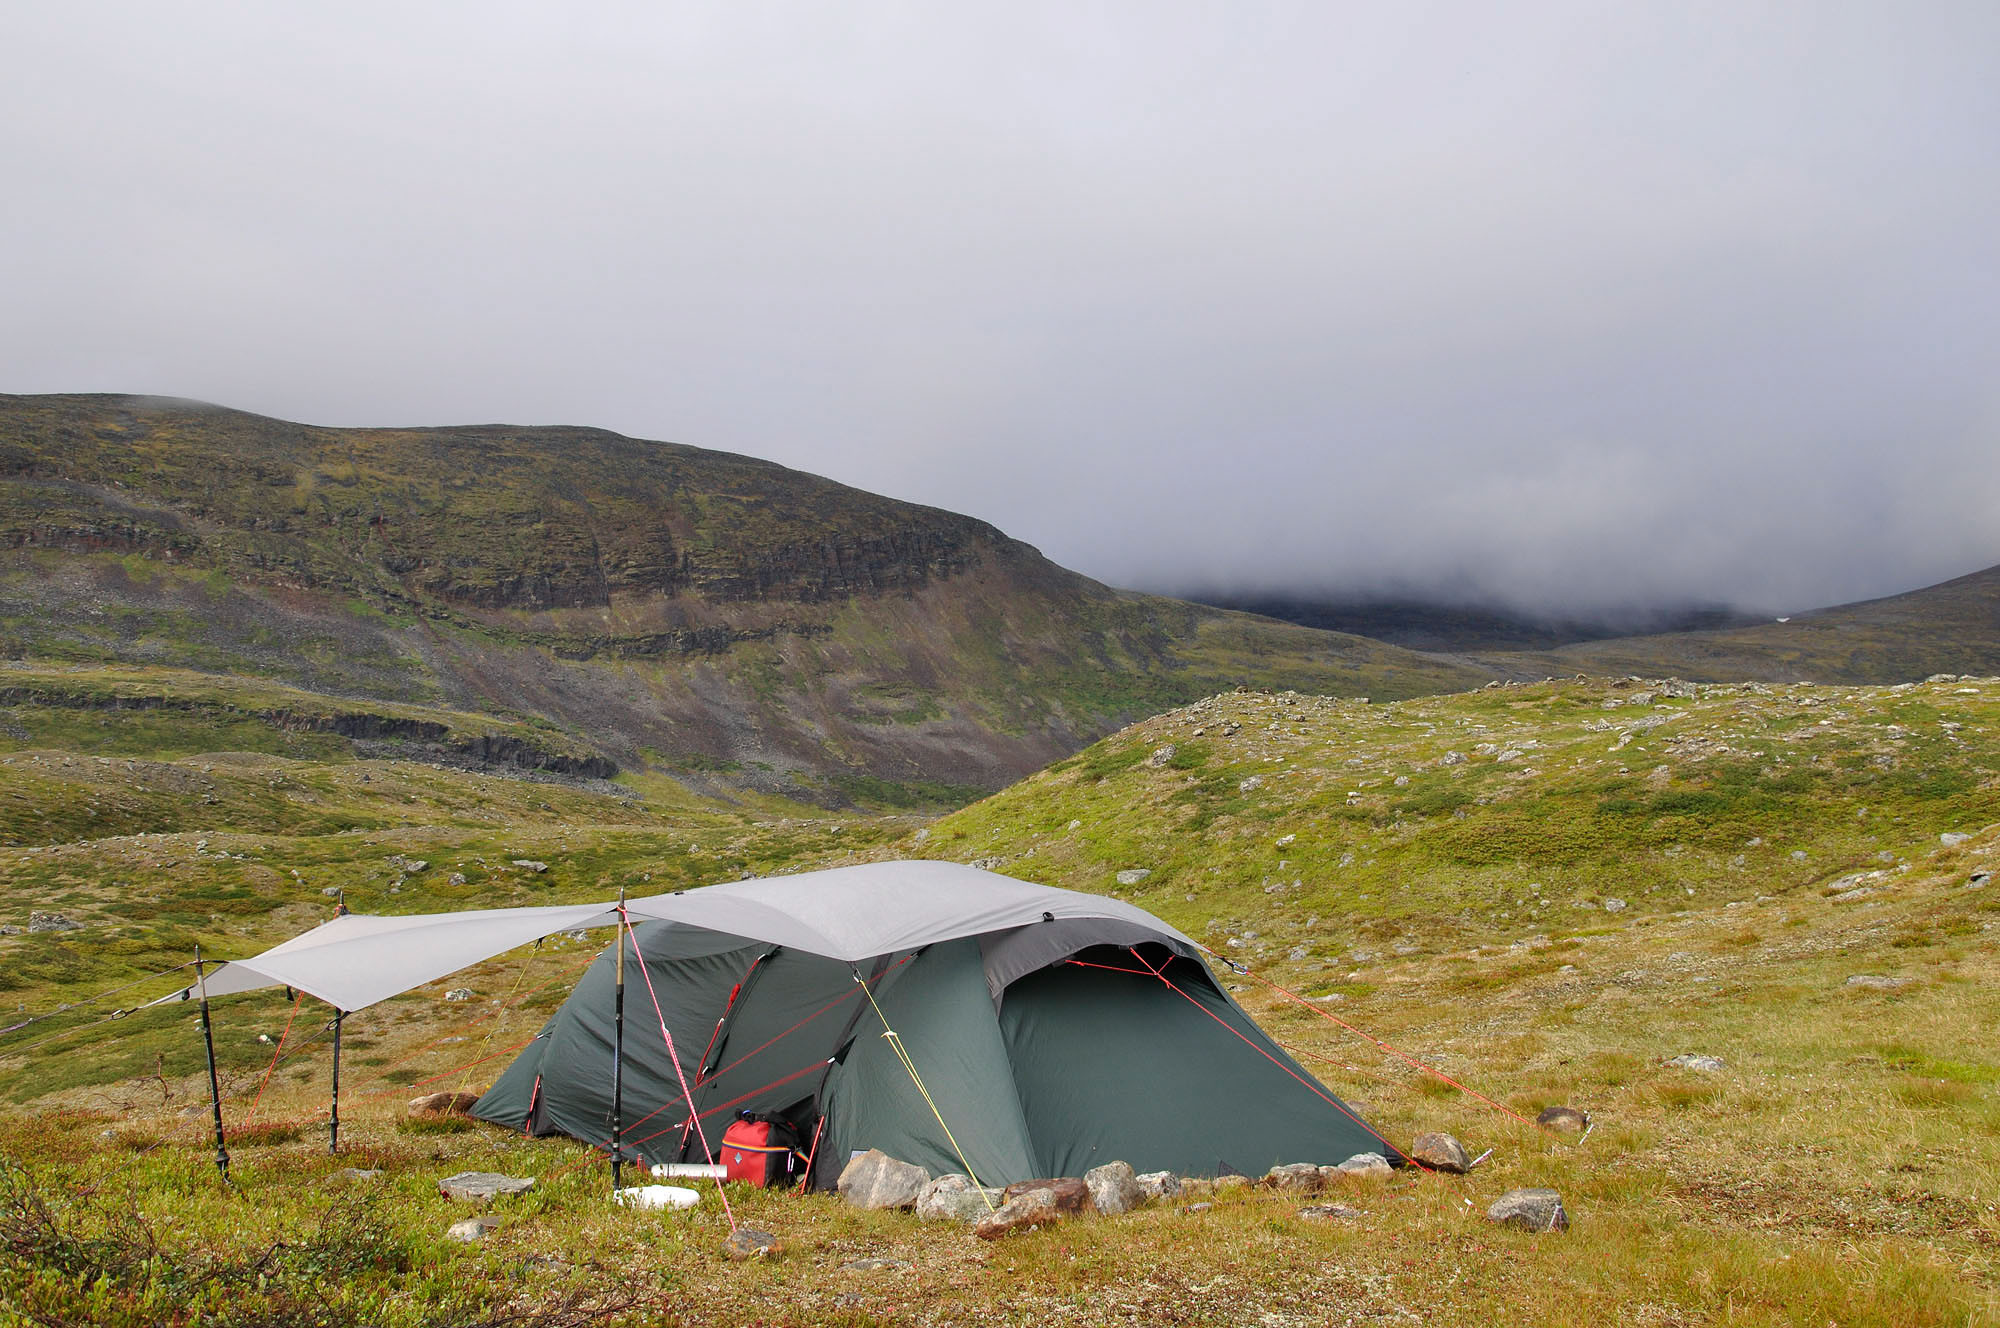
(722, 618)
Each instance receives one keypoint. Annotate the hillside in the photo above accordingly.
(1953, 627)
(1548, 892)
(723, 619)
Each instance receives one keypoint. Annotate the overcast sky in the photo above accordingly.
(1575, 304)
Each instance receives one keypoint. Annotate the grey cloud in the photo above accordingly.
(1569, 304)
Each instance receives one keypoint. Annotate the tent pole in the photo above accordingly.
(618, 1050)
(333, 1124)
(214, 1080)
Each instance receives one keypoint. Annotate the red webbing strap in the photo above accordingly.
(252, 1113)
(1311, 1087)
(811, 1153)
(446, 1074)
(719, 1072)
(779, 1082)
(667, 1036)
(703, 1071)
(1339, 1065)
(470, 1024)
(1297, 999)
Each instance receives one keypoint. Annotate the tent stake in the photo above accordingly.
(333, 1124)
(618, 1051)
(214, 1080)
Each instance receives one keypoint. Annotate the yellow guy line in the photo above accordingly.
(903, 1055)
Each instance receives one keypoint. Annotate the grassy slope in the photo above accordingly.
(683, 610)
(1949, 628)
(1840, 1169)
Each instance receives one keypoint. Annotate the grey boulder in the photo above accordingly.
(1563, 1118)
(1538, 1210)
(1113, 1188)
(1158, 1185)
(1294, 1176)
(749, 1243)
(1441, 1152)
(876, 1180)
(1362, 1166)
(479, 1186)
(955, 1198)
(1024, 1212)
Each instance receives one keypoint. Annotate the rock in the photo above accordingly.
(876, 1266)
(529, 864)
(1162, 755)
(1563, 1118)
(456, 878)
(1113, 1188)
(750, 1243)
(1067, 1193)
(459, 994)
(471, 1229)
(477, 1186)
(1875, 982)
(45, 922)
(1978, 880)
(1614, 906)
(1951, 838)
(408, 866)
(1134, 875)
(1703, 1064)
(443, 1104)
(1158, 1185)
(1321, 1212)
(1537, 1210)
(1294, 1176)
(1202, 1207)
(876, 1180)
(356, 1175)
(1452, 758)
(1251, 785)
(1231, 1181)
(1365, 1166)
(1023, 1212)
(955, 1198)
(1441, 1152)
(1286, 840)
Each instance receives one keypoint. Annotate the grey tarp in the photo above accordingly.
(847, 913)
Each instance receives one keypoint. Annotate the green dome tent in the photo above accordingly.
(1050, 1031)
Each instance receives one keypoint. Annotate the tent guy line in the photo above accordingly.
(1047, 1051)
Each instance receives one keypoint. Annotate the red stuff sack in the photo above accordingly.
(762, 1150)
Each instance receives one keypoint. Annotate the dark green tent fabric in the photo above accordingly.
(1077, 1066)
(1121, 1066)
(940, 1008)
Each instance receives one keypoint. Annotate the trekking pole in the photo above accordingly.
(618, 1050)
(214, 1080)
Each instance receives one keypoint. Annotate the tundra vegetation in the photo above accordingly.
(1547, 892)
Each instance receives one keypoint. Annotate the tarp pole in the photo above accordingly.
(333, 1121)
(214, 1079)
(618, 1051)
(333, 1124)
